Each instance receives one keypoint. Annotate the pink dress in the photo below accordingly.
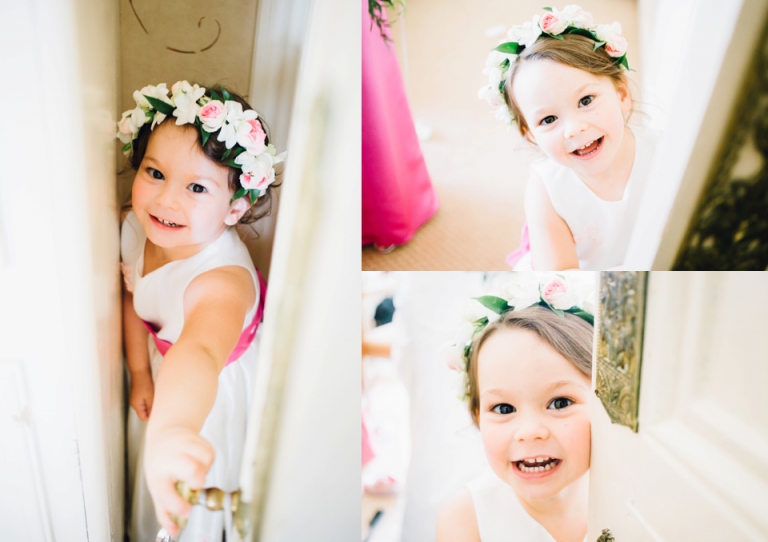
(398, 197)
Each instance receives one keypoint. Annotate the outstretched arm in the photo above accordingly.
(215, 306)
(552, 244)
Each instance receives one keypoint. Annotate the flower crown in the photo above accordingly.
(554, 24)
(573, 293)
(239, 130)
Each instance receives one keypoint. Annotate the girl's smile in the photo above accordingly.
(180, 196)
(534, 414)
(576, 118)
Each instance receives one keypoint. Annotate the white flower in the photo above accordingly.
(258, 172)
(235, 124)
(503, 114)
(185, 98)
(160, 92)
(522, 291)
(615, 42)
(584, 284)
(525, 34)
(158, 118)
(138, 119)
(578, 17)
(453, 354)
(491, 94)
(474, 311)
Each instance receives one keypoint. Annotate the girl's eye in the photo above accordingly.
(586, 100)
(197, 188)
(560, 403)
(154, 173)
(503, 409)
(548, 120)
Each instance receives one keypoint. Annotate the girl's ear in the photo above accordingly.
(625, 98)
(236, 210)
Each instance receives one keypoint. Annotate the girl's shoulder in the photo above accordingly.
(131, 238)
(457, 520)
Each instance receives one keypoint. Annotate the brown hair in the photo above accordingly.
(573, 50)
(570, 336)
(213, 149)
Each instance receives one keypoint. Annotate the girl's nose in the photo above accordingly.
(168, 196)
(531, 427)
(574, 127)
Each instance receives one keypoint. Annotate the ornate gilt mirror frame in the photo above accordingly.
(619, 328)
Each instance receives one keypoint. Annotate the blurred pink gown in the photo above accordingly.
(398, 197)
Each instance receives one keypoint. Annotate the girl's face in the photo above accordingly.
(575, 117)
(534, 414)
(180, 196)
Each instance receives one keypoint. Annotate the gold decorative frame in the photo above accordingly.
(620, 321)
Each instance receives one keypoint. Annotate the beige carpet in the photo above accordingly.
(478, 168)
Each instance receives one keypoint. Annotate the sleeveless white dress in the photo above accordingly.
(601, 229)
(158, 298)
(500, 516)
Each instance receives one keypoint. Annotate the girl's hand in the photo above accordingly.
(142, 394)
(175, 455)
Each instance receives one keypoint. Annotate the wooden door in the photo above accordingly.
(697, 467)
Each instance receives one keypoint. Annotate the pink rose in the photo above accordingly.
(253, 140)
(552, 24)
(557, 294)
(615, 43)
(256, 181)
(212, 115)
(617, 47)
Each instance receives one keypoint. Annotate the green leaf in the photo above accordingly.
(509, 48)
(558, 37)
(547, 9)
(480, 324)
(580, 32)
(127, 147)
(254, 195)
(238, 151)
(623, 62)
(559, 312)
(215, 96)
(205, 135)
(160, 105)
(496, 304)
(225, 157)
(239, 194)
(227, 95)
(501, 87)
(584, 315)
(233, 164)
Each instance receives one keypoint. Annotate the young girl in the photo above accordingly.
(193, 299)
(528, 383)
(561, 79)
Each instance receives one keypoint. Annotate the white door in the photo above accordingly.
(61, 408)
(696, 63)
(697, 469)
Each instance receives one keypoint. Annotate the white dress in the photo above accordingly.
(601, 229)
(500, 516)
(158, 298)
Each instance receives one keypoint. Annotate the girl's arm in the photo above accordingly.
(457, 521)
(215, 306)
(552, 244)
(137, 358)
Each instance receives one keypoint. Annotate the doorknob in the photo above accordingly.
(212, 498)
(606, 536)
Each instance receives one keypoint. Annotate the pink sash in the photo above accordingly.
(246, 338)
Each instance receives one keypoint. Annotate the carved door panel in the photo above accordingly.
(696, 468)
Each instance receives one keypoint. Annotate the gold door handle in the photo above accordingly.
(211, 497)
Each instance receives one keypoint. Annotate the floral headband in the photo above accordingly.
(554, 24)
(239, 130)
(573, 293)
